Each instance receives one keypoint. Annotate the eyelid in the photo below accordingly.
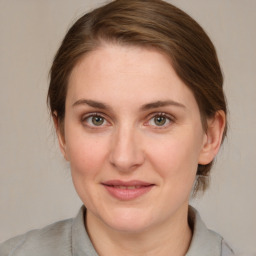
(84, 116)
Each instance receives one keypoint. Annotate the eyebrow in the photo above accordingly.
(148, 106)
(159, 104)
(91, 103)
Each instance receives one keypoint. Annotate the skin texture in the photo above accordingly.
(132, 139)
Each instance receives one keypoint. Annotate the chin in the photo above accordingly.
(129, 220)
(133, 226)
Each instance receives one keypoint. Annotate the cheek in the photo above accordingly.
(176, 156)
(86, 154)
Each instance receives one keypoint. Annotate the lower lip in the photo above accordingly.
(127, 194)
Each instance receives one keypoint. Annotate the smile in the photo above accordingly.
(127, 190)
(125, 187)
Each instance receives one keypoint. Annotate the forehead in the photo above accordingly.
(114, 72)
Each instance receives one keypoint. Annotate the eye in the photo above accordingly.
(94, 120)
(160, 120)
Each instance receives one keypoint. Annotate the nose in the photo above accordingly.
(126, 150)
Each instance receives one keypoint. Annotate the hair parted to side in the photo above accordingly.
(145, 23)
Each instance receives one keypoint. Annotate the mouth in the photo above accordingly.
(126, 187)
(123, 190)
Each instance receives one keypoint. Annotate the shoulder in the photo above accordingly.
(61, 238)
(225, 249)
(205, 241)
(41, 242)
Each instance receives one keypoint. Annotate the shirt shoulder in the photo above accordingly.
(41, 242)
(225, 249)
(205, 241)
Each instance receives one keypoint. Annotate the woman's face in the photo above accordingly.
(133, 137)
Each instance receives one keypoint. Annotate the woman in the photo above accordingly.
(137, 101)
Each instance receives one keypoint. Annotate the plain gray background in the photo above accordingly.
(35, 184)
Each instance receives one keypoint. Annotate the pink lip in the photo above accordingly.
(127, 190)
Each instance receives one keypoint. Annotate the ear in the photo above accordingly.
(212, 138)
(60, 135)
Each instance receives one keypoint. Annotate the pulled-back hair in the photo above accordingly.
(145, 23)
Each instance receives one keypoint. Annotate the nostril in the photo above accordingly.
(126, 164)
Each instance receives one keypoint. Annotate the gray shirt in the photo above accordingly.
(69, 238)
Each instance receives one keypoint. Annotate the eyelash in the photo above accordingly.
(169, 120)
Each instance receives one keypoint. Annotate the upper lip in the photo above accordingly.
(126, 183)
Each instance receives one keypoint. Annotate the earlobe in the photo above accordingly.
(60, 135)
(212, 138)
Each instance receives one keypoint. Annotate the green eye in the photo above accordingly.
(94, 120)
(97, 120)
(160, 120)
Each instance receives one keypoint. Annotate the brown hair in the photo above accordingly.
(145, 23)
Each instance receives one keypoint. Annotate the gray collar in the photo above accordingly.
(81, 243)
(204, 241)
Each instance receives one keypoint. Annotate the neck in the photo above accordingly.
(171, 237)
